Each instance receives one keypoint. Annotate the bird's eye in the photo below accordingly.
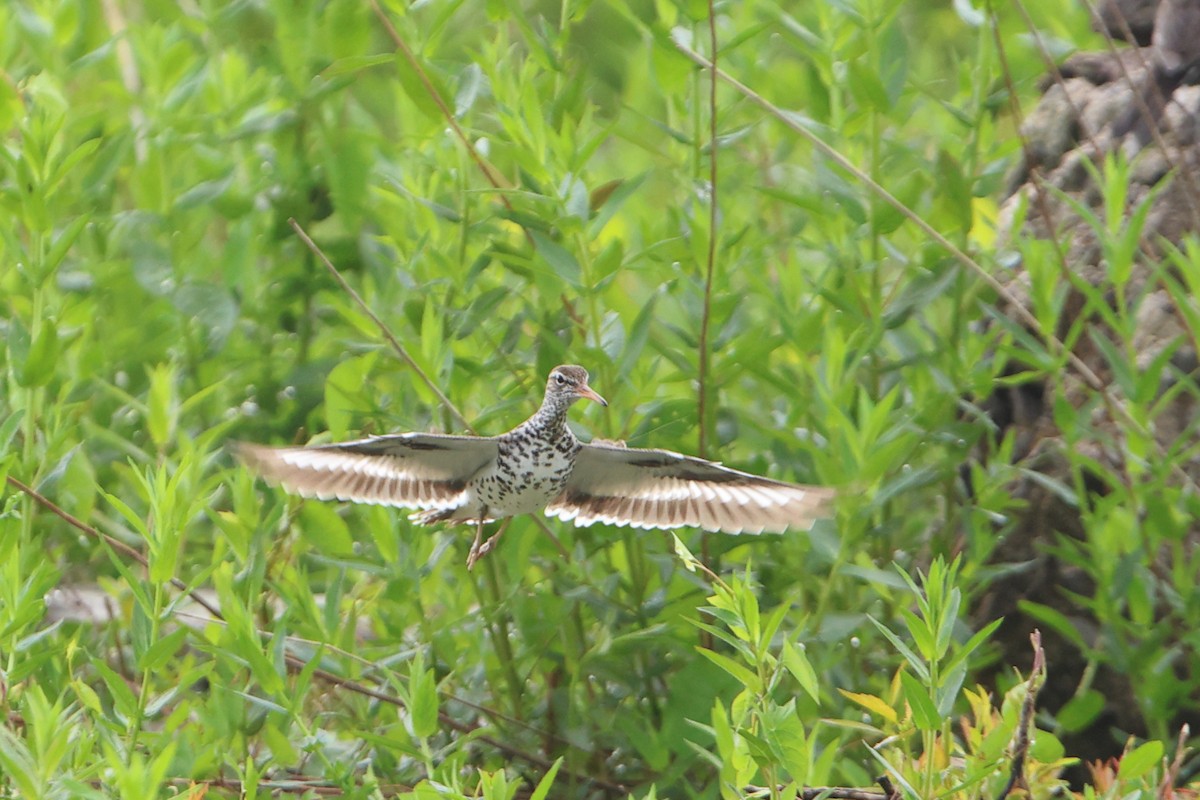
(560, 378)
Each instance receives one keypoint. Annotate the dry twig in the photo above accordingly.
(1020, 748)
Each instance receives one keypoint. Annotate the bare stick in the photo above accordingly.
(115, 544)
(889, 790)
(702, 378)
(1166, 790)
(487, 169)
(832, 792)
(383, 328)
(1016, 777)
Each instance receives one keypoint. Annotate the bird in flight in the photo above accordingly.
(540, 466)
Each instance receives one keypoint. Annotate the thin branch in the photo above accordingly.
(1041, 191)
(813, 792)
(1186, 175)
(1112, 405)
(407, 359)
(489, 172)
(1035, 172)
(833, 792)
(297, 785)
(1026, 317)
(710, 266)
(115, 544)
(1020, 750)
(383, 328)
(295, 663)
(790, 121)
(291, 640)
(1166, 790)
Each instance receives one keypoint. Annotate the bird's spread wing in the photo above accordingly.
(410, 470)
(661, 489)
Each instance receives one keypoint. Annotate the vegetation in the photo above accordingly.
(508, 186)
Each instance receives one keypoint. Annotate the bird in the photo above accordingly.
(540, 465)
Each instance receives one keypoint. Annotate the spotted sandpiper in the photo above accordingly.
(540, 465)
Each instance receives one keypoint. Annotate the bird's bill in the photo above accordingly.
(590, 394)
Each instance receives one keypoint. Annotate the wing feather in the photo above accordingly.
(409, 470)
(662, 489)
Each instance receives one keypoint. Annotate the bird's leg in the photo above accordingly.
(478, 550)
(487, 546)
(474, 553)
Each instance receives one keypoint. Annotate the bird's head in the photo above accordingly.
(570, 383)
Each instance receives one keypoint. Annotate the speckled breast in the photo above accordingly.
(528, 474)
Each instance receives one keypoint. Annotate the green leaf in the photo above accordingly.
(383, 533)
(325, 530)
(431, 332)
(1046, 748)
(1056, 620)
(865, 84)
(17, 763)
(608, 200)
(42, 359)
(123, 699)
(1080, 711)
(62, 244)
(647, 740)
(951, 683)
(472, 84)
(798, 664)
(131, 516)
(344, 393)
(87, 696)
(925, 714)
(689, 561)
(915, 661)
(416, 90)
(923, 638)
(542, 790)
(972, 644)
(788, 740)
(352, 64)
(561, 262)
(161, 651)
(160, 406)
(77, 156)
(947, 619)
(1139, 762)
(281, 746)
(203, 193)
(744, 676)
(423, 700)
(9, 427)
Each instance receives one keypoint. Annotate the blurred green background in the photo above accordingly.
(155, 303)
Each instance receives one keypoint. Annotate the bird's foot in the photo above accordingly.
(473, 554)
(478, 550)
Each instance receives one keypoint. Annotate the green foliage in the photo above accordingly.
(155, 304)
